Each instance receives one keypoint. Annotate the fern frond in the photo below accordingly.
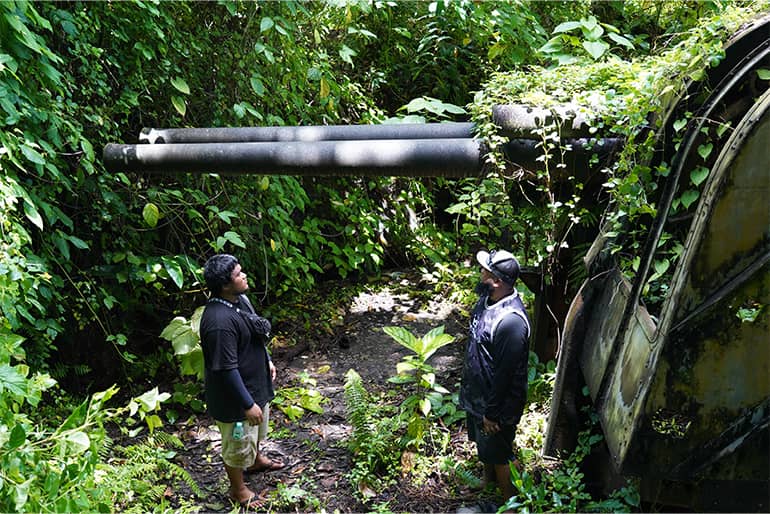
(467, 478)
(165, 439)
(180, 474)
(358, 406)
(106, 448)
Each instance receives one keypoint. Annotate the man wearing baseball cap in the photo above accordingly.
(494, 381)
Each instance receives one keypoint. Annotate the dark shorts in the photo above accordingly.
(493, 449)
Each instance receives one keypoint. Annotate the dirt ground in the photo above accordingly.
(314, 447)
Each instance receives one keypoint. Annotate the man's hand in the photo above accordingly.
(490, 427)
(272, 371)
(254, 415)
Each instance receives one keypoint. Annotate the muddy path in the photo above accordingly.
(314, 448)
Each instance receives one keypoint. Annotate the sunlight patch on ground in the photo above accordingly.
(403, 307)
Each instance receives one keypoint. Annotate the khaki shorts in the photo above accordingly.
(241, 453)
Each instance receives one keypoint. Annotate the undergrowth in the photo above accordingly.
(141, 477)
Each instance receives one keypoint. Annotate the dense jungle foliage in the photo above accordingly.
(93, 265)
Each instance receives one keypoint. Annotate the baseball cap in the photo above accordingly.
(501, 264)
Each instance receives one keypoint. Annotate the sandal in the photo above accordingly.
(271, 465)
(253, 503)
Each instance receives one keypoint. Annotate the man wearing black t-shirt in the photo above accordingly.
(494, 381)
(239, 374)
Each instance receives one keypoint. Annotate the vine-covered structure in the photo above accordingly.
(682, 390)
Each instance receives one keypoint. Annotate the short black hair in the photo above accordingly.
(218, 271)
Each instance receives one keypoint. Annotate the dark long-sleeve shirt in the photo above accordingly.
(494, 380)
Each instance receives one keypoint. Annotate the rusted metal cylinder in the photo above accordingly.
(416, 158)
(461, 157)
(515, 121)
(528, 122)
(308, 133)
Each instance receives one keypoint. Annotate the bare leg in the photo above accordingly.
(239, 492)
(490, 476)
(262, 463)
(503, 475)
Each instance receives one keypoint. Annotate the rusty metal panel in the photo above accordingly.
(623, 399)
(602, 327)
(737, 232)
(708, 410)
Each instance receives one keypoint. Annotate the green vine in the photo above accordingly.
(625, 99)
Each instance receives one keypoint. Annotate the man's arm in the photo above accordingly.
(234, 381)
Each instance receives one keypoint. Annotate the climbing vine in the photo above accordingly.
(619, 98)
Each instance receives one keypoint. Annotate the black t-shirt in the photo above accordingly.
(228, 344)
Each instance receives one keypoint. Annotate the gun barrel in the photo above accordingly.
(308, 133)
(397, 157)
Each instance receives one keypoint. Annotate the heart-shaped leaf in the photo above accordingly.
(705, 150)
(689, 197)
(699, 174)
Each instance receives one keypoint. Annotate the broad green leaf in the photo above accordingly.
(705, 150)
(589, 23)
(87, 148)
(257, 86)
(174, 271)
(722, 128)
(18, 436)
(32, 214)
(11, 380)
(621, 40)
(434, 340)
(425, 406)
(699, 174)
(457, 208)
(180, 85)
(662, 266)
(226, 216)
(567, 26)
(403, 368)
(151, 400)
(763, 73)
(52, 482)
(595, 48)
(689, 197)
(77, 242)
(151, 214)
(266, 24)
(347, 54)
(324, 88)
(314, 74)
(179, 104)
(680, 124)
(192, 363)
(32, 155)
(554, 45)
(234, 238)
(153, 421)
(403, 337)
(186, 342)
(293, 412)
(593, 33)
(78, 442)
(178, 327)
(21, 494)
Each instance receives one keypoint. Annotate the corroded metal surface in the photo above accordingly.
(683, 393)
